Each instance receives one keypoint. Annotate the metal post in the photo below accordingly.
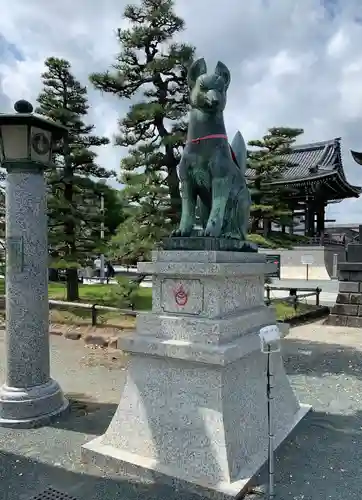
(101, 272)
(271, 493)
(267, 288)
(295, 302)
(270, 343)
(94, 315)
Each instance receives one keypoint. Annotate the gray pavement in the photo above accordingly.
(321, 460)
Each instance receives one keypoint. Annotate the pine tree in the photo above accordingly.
(151, 68)
(268, 163)
(115, 209)
(73, 205)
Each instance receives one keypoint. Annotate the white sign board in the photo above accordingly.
(307, 260)
(269, 333)
(270, 339)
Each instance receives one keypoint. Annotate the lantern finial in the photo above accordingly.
(23, 107)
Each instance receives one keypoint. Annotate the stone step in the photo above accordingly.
(341, 320)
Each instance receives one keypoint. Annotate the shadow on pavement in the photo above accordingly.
(22, 478)
(85, 415)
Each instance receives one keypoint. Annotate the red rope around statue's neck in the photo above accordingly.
(214, 136)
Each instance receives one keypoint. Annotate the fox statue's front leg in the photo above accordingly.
(188, 207)
(220, 195)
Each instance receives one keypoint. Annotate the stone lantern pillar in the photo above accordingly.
(29, 396)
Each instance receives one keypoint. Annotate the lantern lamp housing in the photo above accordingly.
(28, 138)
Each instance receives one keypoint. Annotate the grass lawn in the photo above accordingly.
(105, 295)
(277, 239)
(285, 310)
(101, 294)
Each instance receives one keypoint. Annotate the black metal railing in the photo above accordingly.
(293, 296)
(93, 308)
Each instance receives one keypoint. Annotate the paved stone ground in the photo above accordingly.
(322, 460)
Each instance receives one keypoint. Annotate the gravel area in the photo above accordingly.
(321, 460)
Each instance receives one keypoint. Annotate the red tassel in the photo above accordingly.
(233, 155)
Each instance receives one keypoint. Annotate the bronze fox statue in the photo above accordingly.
(210, 171)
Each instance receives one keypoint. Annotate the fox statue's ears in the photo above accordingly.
(224, 72)
(196, 69)
(199, 68)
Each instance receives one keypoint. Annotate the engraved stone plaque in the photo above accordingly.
(182, 296)
(15, 251)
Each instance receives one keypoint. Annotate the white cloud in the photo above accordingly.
(338, 45)
(293, 63)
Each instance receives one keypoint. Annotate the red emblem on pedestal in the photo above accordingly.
(181, 297)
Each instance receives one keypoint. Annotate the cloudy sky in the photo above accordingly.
(293, 63)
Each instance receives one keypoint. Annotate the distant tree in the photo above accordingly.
(114, 213)
(72, 199)
(268, 163)
(121, 251)
(152, 69)
(133, 243)
(114, 209)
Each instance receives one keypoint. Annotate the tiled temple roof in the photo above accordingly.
(316, 163)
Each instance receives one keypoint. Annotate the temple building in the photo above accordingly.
(315, 179)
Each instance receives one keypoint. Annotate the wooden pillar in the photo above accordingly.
(310, 214)
(291, 227)
(320, 209)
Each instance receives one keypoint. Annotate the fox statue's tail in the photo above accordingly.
(238, 148)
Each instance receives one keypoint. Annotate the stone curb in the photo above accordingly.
(95, 339)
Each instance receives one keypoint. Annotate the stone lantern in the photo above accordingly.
(29, 396)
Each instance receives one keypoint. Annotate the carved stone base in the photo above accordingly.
(193, 412)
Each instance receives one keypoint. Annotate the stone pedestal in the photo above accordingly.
(348, 308)
(193, 412)
(29, 396)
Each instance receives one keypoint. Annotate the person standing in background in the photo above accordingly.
(97, 266)
(110, 271)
